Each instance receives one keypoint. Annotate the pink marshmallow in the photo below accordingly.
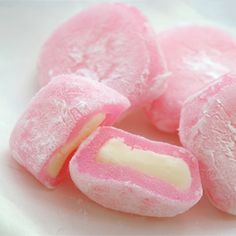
(114, 44)
(126, 189)
(44, 137)
(208, 130)
(195, 56)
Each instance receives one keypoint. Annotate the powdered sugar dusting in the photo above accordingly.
(212, 141)
(203, 63)
(76, 55)
(114, 42)
(127, 197)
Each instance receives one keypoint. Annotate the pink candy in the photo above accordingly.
(108, 172)
(113, 44)
(97, 64)
(58, 119)
(195, 56)
(208, 130)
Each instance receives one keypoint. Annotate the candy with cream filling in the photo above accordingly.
(114, 44)
(58, 119)
(129, 173)
(195, 56)
(208, 130)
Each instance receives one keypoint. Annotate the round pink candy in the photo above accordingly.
(208, 130)
(55, 116)
(195, 56)
(128, 190)
(113, 44)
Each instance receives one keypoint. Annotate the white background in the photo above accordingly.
(26, 207)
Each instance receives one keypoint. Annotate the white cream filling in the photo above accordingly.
(169, 169)
(57, 162)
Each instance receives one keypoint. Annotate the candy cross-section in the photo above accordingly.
(129, 173)
(60, 116)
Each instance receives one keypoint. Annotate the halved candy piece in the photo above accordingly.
(195, 57)
(129, 173)
(114, 44)
(58, 119)
(208, 130)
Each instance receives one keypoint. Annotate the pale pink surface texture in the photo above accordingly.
(114, 44)
(55, 115)
(208, 130)
(124, 189)
(195, 56)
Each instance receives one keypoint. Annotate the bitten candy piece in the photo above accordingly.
(58, 119)
(129, 173)
(111, 42)
(195, 57)
(208, 130)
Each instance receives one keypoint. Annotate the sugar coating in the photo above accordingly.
(195, 56)
(125, 189)
(208, 130)
(111, 42)
(55, 116)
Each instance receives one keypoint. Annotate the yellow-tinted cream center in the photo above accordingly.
(169, 169)
(57, 162)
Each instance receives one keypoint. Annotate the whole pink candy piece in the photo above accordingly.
(208, 130)
(195, 56)
(60, 116)
(114, 44)
(129, 173)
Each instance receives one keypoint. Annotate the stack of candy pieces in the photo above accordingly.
(95, 67)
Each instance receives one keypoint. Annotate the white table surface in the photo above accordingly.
(26, 207)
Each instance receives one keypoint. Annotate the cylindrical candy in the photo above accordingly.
(208, 130)
(131, 174)
(195, 56)
(114, 44)
(58, 119)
